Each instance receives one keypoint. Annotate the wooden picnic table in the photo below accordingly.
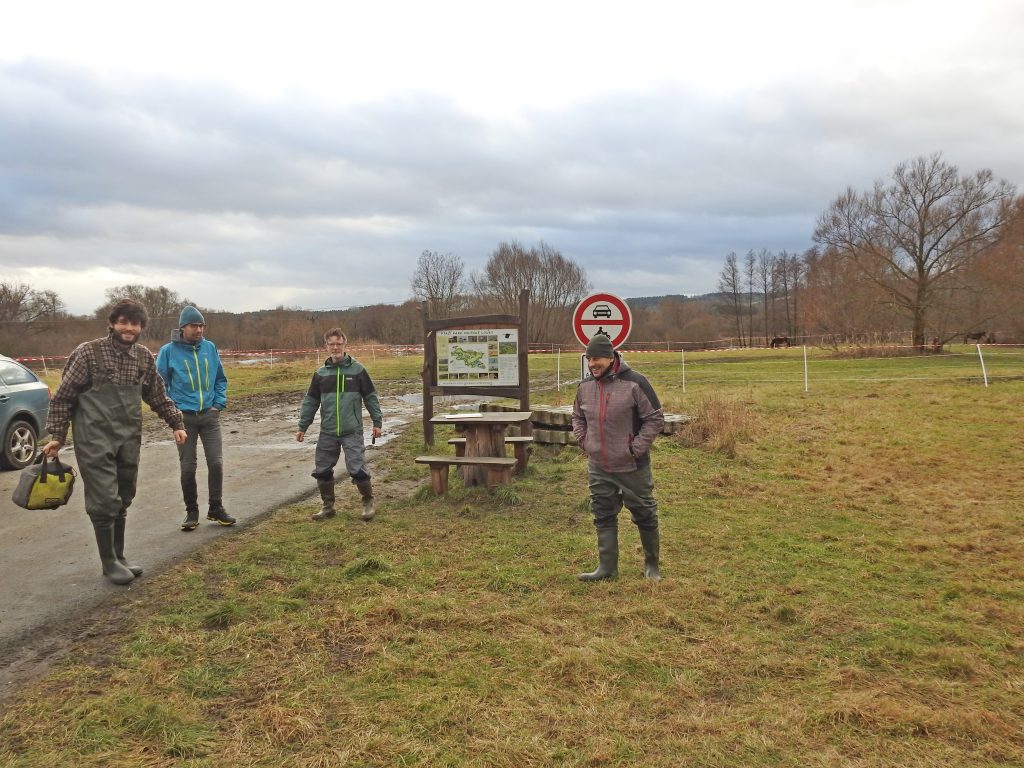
(485, 436)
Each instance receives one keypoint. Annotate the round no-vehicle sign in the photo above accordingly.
(602, 313)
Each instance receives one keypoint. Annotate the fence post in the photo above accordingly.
(682, 355)
(984, 373)
(805, 369)
(271, 358)
(558, 371)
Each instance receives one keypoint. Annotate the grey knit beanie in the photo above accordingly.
(190, 315)
(600, 346)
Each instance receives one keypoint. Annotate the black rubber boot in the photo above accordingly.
(366, 491)
(651, 543)
(119, 525)
(218, 514)
(112, 568)
(608, 556)
(326, 488)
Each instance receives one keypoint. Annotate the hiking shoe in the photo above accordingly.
(218, 515)
(191, 521)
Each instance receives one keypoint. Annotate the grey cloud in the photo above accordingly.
(153, 174)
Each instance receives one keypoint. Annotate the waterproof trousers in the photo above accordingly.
(107, 430)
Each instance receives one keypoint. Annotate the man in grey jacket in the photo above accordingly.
(615, 417)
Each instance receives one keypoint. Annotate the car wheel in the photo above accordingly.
(19, 445)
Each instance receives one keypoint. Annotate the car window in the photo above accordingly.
(12, 373)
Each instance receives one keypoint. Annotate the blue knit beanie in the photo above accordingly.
(190, 315)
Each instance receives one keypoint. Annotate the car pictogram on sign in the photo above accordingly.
(601, 310)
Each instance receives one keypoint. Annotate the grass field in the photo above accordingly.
(844, 585)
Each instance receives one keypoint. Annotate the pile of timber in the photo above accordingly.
(552, 425)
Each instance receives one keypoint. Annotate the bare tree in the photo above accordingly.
(749, 269)
(26, 312)
(765, 273)
(787, 277)
(730, 285)
(555, 285)
(840, 302)
(913, 234)
(438, 280)
(20, 303)
(14, 299)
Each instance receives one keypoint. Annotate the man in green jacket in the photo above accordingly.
(340, 388)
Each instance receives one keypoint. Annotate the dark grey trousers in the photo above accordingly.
(205, 427)
(610, 491)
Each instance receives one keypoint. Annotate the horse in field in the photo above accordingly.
(780, 341)
(977, 337)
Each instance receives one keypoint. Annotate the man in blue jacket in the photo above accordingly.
(195, 380)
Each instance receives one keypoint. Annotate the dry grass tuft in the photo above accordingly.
(718, 425)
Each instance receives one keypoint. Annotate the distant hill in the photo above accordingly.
(654, 301)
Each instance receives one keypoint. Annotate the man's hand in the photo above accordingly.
(180, 436)
(51, 448)
(376, 432)
(300, 436)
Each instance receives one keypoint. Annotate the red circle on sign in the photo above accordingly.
(602, 313)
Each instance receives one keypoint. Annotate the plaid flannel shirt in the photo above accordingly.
(77, 378)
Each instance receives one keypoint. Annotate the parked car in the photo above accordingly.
(24, 403)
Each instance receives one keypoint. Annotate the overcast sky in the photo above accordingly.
(253, 154)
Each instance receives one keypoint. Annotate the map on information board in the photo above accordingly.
(478, 357)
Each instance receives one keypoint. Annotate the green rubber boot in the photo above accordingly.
(608, 556)
(112, 567)
(652, 544)
(119, 525)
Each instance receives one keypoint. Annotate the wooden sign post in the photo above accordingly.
(481, 355)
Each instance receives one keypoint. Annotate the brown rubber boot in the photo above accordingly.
(366, 491)
(326, 488)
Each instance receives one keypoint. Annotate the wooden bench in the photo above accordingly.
(499, 469)
(521, 446)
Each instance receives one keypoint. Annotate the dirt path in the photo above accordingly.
(50, 571)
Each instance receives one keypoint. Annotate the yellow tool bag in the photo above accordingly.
(47, 484)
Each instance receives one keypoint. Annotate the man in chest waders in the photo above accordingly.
(99, 395)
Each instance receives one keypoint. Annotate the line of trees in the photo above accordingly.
(928, 252)
(555, 285)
